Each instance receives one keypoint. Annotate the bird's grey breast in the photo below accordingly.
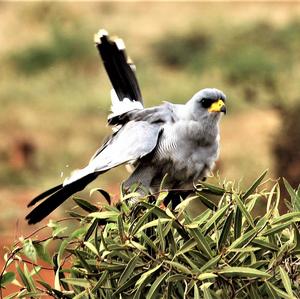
(186, 151)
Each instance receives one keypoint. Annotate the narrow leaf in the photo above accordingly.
(104, 215)
(208, 203)
(254, 185)
(277, 228)
(225, 230)
(85, 205)
(286, 281)
(80, 282)
(295, 199)
(243, 272)
(156, 285)
(237, 223)
(244, 211)
(147, 274)
(128, 271)
(105, 195)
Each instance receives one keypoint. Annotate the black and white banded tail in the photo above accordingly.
(119, 67)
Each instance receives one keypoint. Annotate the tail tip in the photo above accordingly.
(99, 35)
(120, 43)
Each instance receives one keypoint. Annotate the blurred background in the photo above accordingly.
(54, 92)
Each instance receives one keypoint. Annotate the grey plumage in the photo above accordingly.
(181, 141)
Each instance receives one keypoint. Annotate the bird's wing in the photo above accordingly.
(133, 141)
(126, 94)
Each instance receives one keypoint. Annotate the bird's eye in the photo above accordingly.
(206, 103)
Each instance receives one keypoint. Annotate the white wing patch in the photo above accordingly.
(121, 106)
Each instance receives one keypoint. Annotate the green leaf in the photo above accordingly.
(91, 247)
(279, 292)
(161, 237)
(243, 272)
(134, 227)
(154, 223)
(80, 282)
(187, 246)
(208, 203)
(296, 238)
(128, 271)
(176, 277)
(244, 249)
(207, 275)
(196, 292)
(201, 242)
(237, 223)
(216, 217)
(24, 278)
(211, 188)
(270, 198)
(225, 230)
(85, 205)
(156, 285)
(295, 199)
(277, 228)
(121, 229)
(45, 285)
(205, 289)
(29, 250)
(7, 278)
(146, 275)
(239, 242)
(83, 294)
(286, 281)
(29, 278)
(271, 292)
(244, 211)
(104, 215)
(264, 244)
(105, 195)
(101, 281)
(211, 263)
(91, 229)
(286, 217)
(82, 258)
(179, 267)
(254, 185)
(127, 284)
(148, 241)
(42, 252)
(162, 195)
(61, 251)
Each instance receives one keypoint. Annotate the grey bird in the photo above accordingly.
(178, 142)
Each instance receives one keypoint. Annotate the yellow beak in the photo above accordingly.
(218, 106)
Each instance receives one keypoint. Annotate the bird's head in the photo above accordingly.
(208, 102)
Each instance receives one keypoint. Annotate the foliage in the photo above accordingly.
(61, 47)
(147, 250)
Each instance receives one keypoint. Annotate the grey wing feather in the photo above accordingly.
(159, 114)
(133, 141)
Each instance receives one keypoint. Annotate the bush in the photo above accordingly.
(151, 251)
(61, 47)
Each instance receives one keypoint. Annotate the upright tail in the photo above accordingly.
(126, 96)
(121, 71)
(55, 196)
